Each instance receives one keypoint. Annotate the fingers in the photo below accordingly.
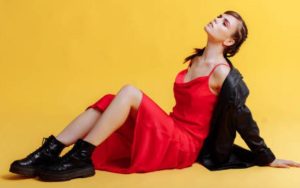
(280, 165)
(283, 166)
(291, 163)
(294, 164)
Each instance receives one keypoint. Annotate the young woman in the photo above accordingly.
(128, 132)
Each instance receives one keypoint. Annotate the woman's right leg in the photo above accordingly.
(79, 127)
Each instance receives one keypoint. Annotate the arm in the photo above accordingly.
(247, 127)
(249, 131)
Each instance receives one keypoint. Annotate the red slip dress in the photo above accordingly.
(155, 140)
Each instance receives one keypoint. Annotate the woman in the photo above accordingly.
(128, 132)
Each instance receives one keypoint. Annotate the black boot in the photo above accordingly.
(46, 154)
(74, 164)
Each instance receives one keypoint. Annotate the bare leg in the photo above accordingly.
(79, 127)
(127, 99)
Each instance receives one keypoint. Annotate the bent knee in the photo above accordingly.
(130, 90)
(133, 92)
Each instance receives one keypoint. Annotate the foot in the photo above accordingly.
(47, 154)
(76, 163)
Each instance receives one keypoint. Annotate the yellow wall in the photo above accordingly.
(58, 57)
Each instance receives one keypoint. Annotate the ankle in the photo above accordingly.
(88, 141)
(62, 141)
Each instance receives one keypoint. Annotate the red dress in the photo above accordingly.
(155, 140)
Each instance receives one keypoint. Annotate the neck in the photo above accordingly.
(213, 52)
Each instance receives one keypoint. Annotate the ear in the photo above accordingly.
(228, 42)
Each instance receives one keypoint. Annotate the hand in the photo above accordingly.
(281, 163)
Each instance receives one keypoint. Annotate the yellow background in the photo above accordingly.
(58, 56)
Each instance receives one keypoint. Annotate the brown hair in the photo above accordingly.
(239, 37)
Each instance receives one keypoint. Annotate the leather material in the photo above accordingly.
(46, 154)
(232, 115)
(75, 163)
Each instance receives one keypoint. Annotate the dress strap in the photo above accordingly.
(215, 68)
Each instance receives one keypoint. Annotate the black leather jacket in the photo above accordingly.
(230, 115)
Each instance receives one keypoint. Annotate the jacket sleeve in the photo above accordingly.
(249, 131)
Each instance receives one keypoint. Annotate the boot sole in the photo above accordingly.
(29, 172)
(79, 173)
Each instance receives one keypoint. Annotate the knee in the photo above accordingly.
(132, 92)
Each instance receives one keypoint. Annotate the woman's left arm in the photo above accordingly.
(249, 131)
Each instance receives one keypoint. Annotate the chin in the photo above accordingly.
(205, 29)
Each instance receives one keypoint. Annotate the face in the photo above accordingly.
(221, 28)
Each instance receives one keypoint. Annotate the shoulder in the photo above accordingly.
(220, 73)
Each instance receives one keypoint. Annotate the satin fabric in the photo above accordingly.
(155, 140)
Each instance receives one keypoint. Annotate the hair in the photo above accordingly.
(239, 37)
